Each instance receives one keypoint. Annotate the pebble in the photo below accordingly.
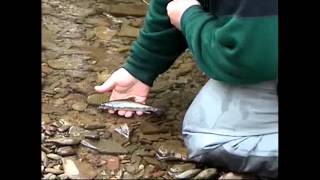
(63, 128)
(53, 171)
(94, 126)
(79, 106)
(64, 141)
(63, 177)
(66, 151)
(113, 163)
(44, 159)
(92, 135)
(76, 169)
(187, 174)
(207, 173)
(49, 176)
(54, 156)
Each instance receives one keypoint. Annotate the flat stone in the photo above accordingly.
(53, 171)
(122, 9)
(54, 156)
(66, 151)
(113, 163)
(76, 169)
(207, 173)
(105, 146)
(66, 63)
(104, 33)
(79, 106)
(127, 175)
(150, 128)
(64, 141)
(97, 99)
(128, 31)
(151, 160)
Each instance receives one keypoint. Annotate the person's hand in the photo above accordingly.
(123, 85)
(176, 8)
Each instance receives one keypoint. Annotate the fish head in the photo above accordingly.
(106, 106)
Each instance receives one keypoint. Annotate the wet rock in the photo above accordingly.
(132, 148)
(49, 176)
(207, 174)
(44, 149)
(63, 176)
(158, 174)
(97, 21)
(103, 76)
(43, 137)
(105, 146)
(97, 99)
(119, 174)
(45, 68)
(60, 92)
(56, 124)
(54, 156)
(113, 163)
(66, 63)
(76, 169)
(63, 128)
(130, 169)
(151, 160)
(154, 137)
(92, 135)
(45, 118)
(137, 22)
(83, 87)
(148, 171)
(122, 9)
(53, 171)
(160, 86)
(44, 159)
(187, 174)
(135, 158)
(76, 74)
(128, 31)
(150, 128)
(48, 109)
(64, 141)
(104, 33)
(185, 68)
(179, 168)
(106, 135)
(79, 106)
(94, 126)
(66, 151)
(51, 128)
(127, 175)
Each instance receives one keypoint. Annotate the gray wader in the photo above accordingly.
(235, 127)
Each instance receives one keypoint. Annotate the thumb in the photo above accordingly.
(106, 86)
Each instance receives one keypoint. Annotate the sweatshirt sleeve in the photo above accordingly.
(232, 49)
(157, 46)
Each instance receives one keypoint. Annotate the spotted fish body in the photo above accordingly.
(128, 105)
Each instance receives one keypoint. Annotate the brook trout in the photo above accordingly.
(129, 105)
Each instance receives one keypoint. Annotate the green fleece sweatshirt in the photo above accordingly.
(234, 41)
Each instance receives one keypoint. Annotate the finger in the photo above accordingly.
(106, 86)
(128, 114)
(121, 113)
(139, 113)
